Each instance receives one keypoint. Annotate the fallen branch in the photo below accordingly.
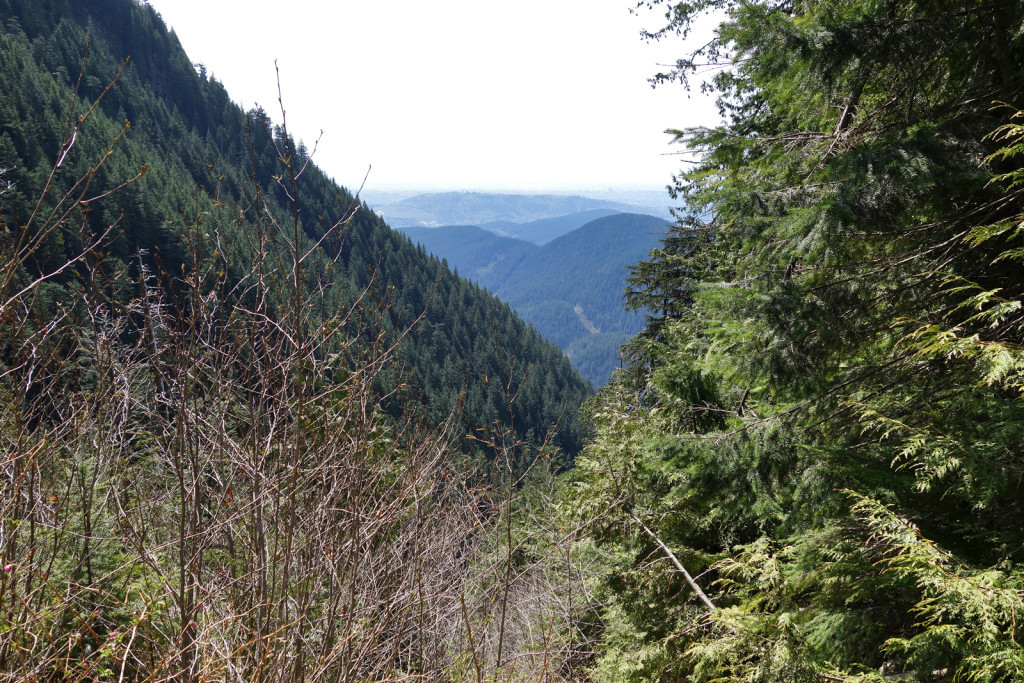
(679, 565)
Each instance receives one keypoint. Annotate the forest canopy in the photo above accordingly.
(822, 418)
(249, 433)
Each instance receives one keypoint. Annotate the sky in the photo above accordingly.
(454, 94)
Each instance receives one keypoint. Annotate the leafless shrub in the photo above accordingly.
(526, 610)
(199, 484)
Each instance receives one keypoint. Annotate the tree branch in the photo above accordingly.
(679, 565)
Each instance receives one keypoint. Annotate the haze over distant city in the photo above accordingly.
(455, 94)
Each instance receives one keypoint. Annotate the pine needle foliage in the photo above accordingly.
(823, 417)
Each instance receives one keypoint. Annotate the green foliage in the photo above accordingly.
(965, 613)
(202, 158)
(826, 401)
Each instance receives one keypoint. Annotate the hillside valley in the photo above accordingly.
(543, 230)
(569, 285)
(227, 387)
(251, 432)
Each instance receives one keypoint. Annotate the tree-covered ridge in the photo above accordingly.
(587, 266)
(475, 252)
(570, 288)
(204, 160)
(822, 419)
(544, 230)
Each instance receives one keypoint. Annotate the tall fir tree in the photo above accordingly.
(824, 420)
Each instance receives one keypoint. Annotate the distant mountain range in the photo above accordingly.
(500, 211)
(569, 285)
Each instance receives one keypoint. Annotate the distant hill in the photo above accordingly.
(479, 208)
(546, 229)
(475, 253)
(570, 289)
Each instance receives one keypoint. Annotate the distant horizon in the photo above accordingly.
(406, 208)
(559, 188)
(592, 192)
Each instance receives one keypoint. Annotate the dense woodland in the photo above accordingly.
(240, 444)
(822, 419)
(200, 159)
(247, 432)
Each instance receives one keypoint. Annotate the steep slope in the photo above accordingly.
(572, 292)
(206, 164)
(587, 264)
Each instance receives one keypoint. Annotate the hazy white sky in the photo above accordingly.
(531, 94)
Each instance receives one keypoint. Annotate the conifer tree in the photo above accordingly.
(826, 418)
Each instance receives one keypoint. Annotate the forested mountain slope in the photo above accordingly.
(812, 471)
(570, 289)
(478, 254)
(204, 158)
(247, 432)
(588, 266)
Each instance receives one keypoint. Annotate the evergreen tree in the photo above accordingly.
(824, 412)
(201, 159)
